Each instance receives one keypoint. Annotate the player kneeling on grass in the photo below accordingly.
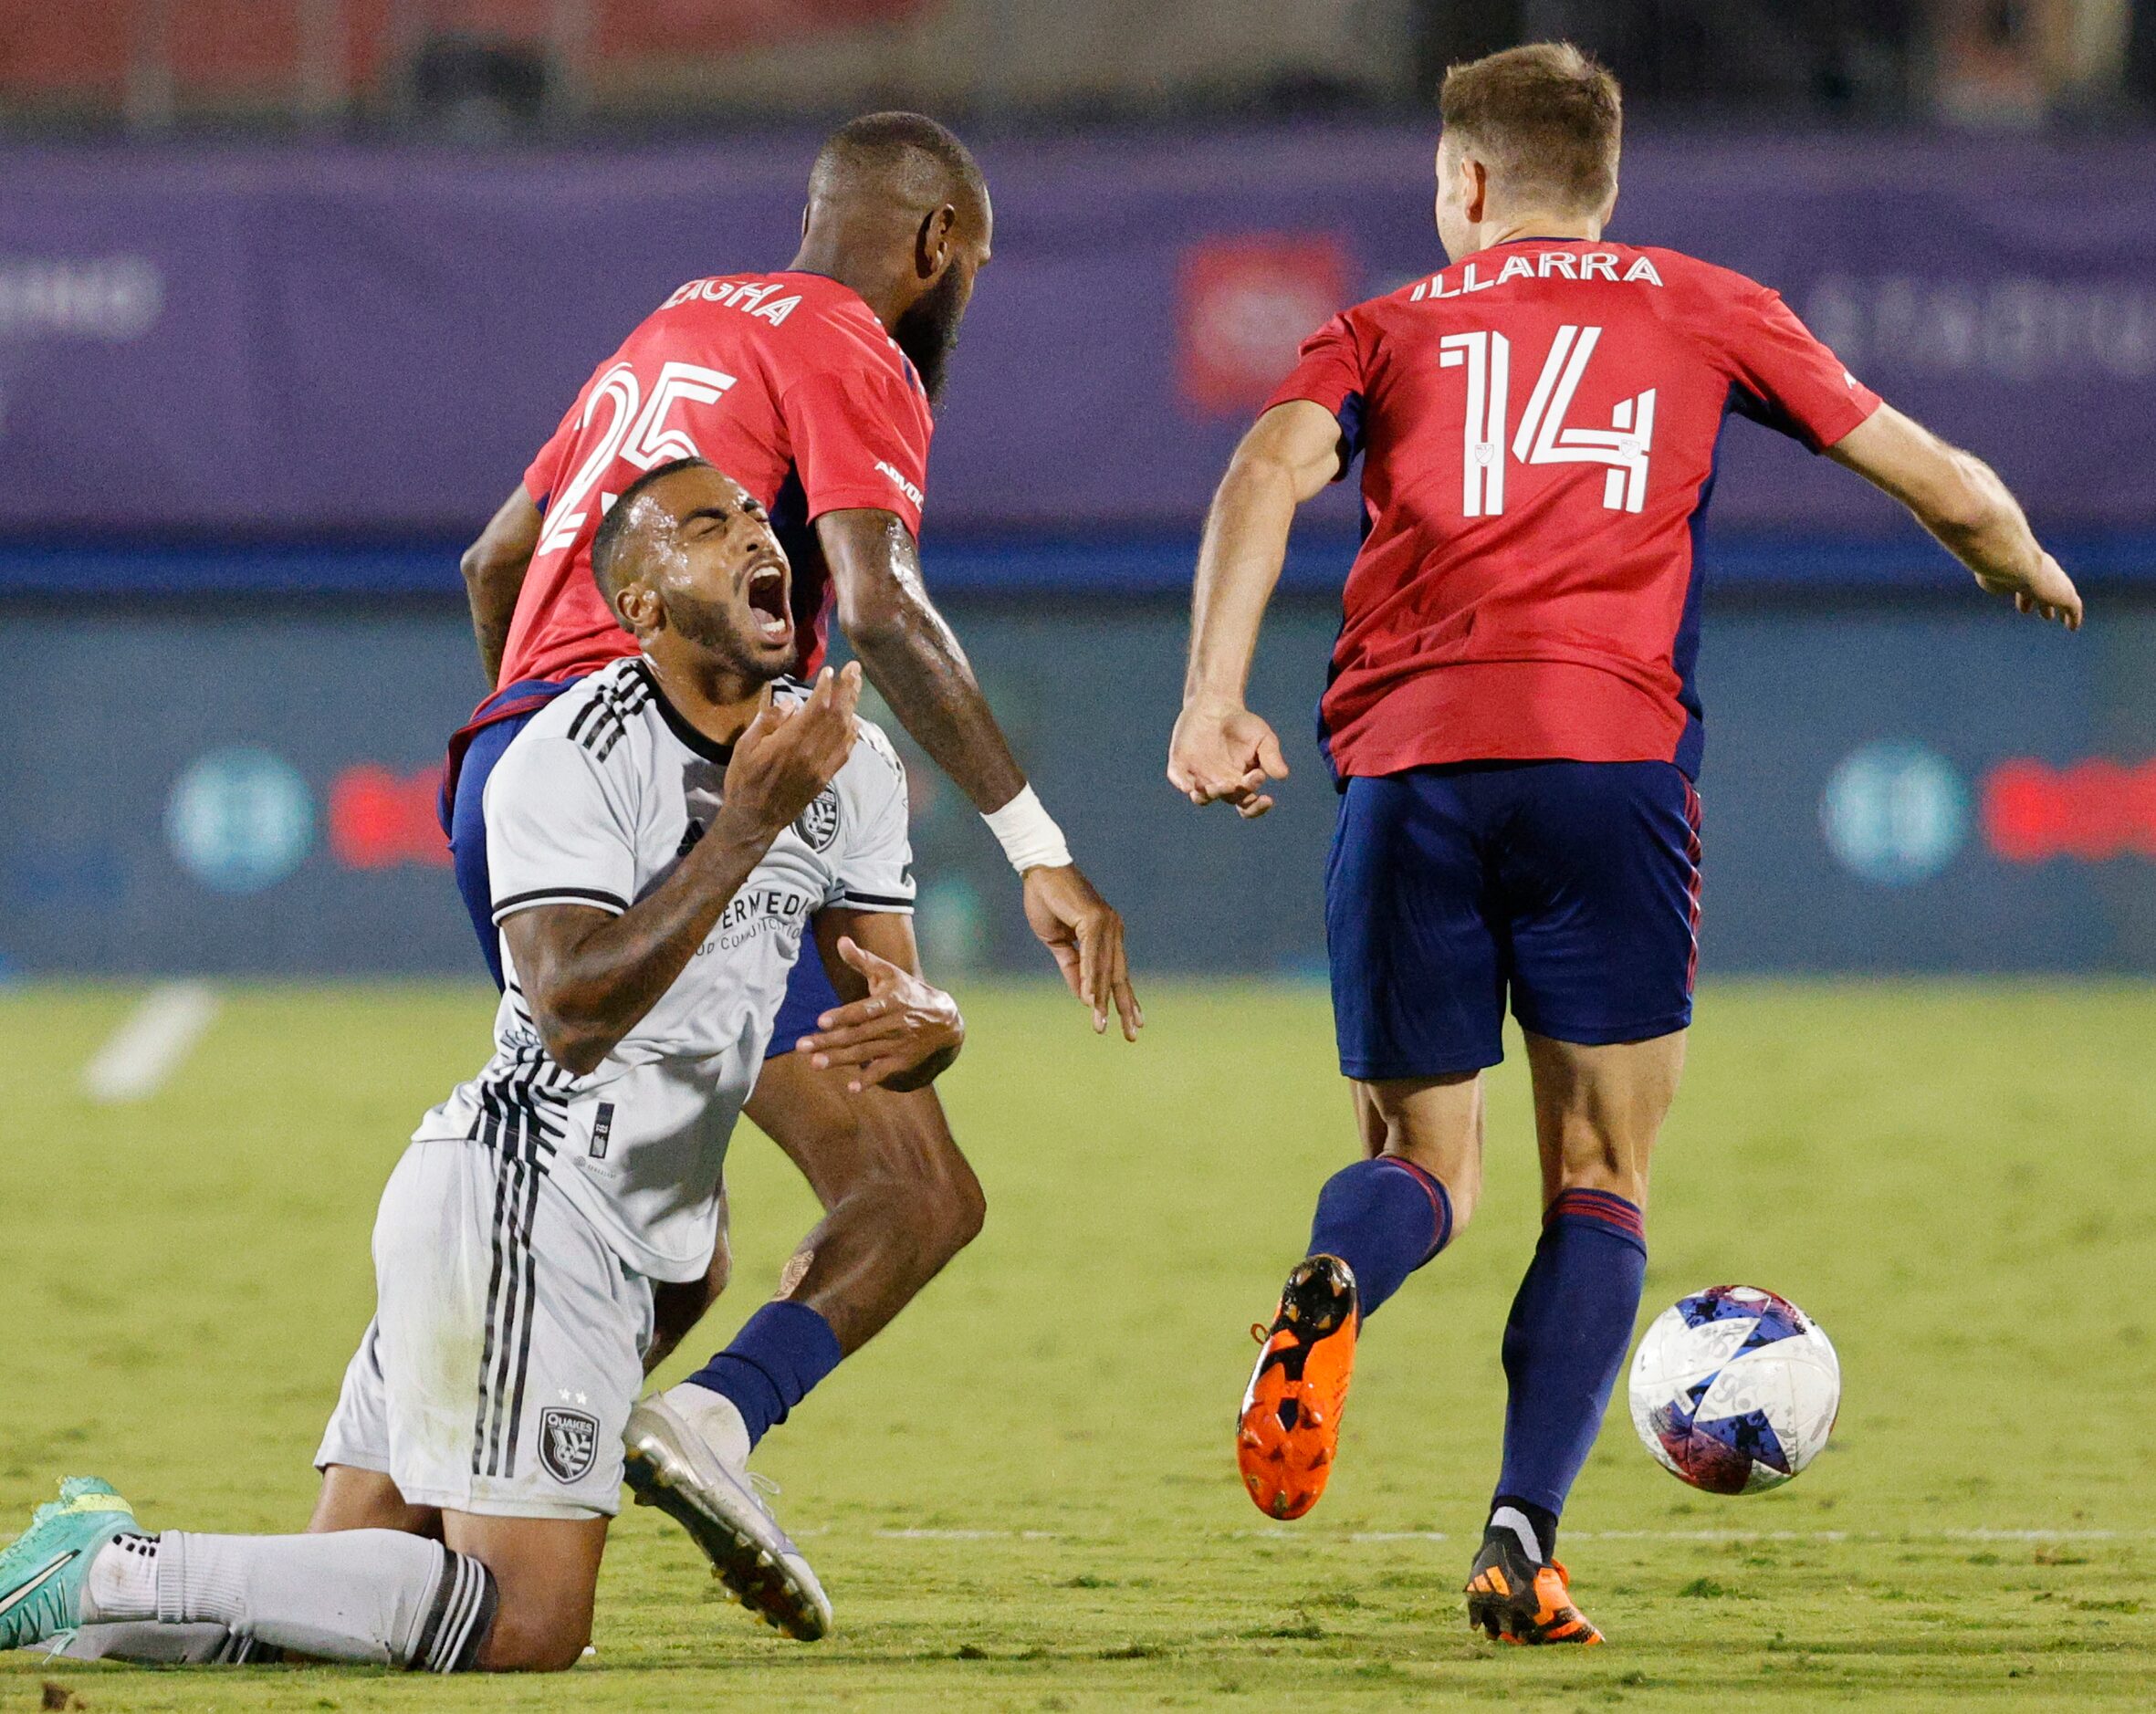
(660, 835)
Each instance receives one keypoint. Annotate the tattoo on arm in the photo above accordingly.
(590, 979)
(911, 655)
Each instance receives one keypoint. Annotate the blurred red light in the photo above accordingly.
(380, 820)
(1243, 304)
(2091, 811)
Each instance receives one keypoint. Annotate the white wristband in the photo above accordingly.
(1029, 834)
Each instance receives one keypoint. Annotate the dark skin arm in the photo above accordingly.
(590, 979)
(494, 568)
(893, 1028)
(913, 658)
(911, 655)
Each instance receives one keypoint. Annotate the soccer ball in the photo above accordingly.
(1734, 1390)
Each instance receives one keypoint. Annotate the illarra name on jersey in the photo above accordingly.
(1588, 264)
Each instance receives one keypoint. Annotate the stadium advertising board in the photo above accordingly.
(256, 795)
(376, 342)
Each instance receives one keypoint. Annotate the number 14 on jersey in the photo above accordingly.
(1544, 436)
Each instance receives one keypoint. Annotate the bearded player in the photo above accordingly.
(1511, 721)
(813, 386)
(667, 836)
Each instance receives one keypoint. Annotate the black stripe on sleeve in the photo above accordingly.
(560, 895)
(876, 900)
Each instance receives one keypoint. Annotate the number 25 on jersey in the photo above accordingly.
(645, 439)
(1544, 436)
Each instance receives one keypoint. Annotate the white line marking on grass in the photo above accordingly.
(973, 1535)
(151, 1045)
(1365, 1537)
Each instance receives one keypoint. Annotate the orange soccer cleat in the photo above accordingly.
(1289, 1427)
(1516, 1600)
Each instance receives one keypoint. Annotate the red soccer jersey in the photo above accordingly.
(786, 382)
(1537, 426)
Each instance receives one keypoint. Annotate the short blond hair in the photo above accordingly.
(1548, 119)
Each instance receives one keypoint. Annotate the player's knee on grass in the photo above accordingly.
(529, 1640)
(546, 1575)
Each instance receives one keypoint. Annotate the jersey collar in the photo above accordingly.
(710, 749)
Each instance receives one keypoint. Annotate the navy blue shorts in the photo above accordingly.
(1573, 887)
(809, 992)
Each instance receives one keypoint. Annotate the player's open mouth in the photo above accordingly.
(766, 601)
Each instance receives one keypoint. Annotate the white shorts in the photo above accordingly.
(506, 1346)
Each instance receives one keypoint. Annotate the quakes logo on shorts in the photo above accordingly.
(568, 1441)
(819, 823)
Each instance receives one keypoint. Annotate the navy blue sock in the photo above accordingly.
(1384, 1218)
(1563, 1345)
(782, 1351)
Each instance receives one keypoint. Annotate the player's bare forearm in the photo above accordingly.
(911, 655)
(1289, 455)
(1220, 751)
(1965, 505)
(914, 660)
(590, 979)
(1239, 565)
(494, 568)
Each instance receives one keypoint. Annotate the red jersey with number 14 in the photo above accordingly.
(1537, 425)
(788, 382)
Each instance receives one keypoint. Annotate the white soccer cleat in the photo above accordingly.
(687, 1453)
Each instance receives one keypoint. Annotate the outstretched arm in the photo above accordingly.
(1220, 750)
(913, 658)
(494, 568)
(1961, 500)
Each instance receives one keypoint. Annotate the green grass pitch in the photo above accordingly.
(1023, 1496)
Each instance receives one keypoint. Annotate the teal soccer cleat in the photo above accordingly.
(44, 1569)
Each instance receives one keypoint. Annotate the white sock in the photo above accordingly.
(123, 1580)
(716, 1417)
(374, 1595)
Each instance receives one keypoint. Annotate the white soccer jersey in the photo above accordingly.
(595, 802)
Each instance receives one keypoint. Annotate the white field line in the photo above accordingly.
(1361, 1537)
(151, 1045)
